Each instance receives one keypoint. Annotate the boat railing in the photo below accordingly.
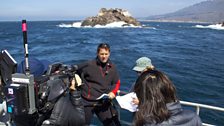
(199, 106)
(184, 103)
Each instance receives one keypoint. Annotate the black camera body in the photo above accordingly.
(27, 96)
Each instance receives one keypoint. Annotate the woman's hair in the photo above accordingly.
(149, 68)
(103, 46)
(154, 90)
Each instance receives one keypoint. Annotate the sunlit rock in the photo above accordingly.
(105, 17)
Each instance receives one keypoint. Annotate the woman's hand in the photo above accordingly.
(135, 101)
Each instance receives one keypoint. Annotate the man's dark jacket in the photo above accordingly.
(98, 79)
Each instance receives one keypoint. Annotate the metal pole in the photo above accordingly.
(24, 29)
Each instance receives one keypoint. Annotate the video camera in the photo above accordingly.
(57, 81)
(26, 95)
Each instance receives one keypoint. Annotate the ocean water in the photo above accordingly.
(192, 57)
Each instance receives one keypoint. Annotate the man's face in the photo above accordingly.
(103, 55)
(138, 73)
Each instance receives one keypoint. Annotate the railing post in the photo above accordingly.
(198, 110)
(118, 92)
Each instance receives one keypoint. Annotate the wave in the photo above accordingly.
(120, 24)
(215, 26)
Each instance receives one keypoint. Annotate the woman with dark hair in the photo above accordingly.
(158, 102)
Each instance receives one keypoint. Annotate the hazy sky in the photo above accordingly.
(16, 10)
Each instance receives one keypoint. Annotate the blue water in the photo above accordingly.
(193, 58)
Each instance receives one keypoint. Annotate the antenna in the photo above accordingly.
(24, 29)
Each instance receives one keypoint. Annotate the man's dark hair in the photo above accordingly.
(104, 46)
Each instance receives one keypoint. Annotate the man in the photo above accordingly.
(142, 64)
(100, 76)
(68, 110)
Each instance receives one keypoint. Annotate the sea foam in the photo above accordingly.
(215, 26)
(120, 24)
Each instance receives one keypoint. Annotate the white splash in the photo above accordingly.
(120, 24)
(75, 25)
(215, 26)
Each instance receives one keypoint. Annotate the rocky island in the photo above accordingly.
(109, 16)
(222, 24)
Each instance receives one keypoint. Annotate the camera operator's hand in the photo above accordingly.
(77, 80)
(111, 95)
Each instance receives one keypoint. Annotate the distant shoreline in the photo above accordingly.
(176, 21)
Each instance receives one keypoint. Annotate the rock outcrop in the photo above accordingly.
(105, 17)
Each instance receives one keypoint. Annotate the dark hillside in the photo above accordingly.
(207, 11)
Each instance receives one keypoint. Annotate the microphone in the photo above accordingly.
(107, 66)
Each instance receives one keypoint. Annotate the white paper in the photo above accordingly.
(125, 101)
